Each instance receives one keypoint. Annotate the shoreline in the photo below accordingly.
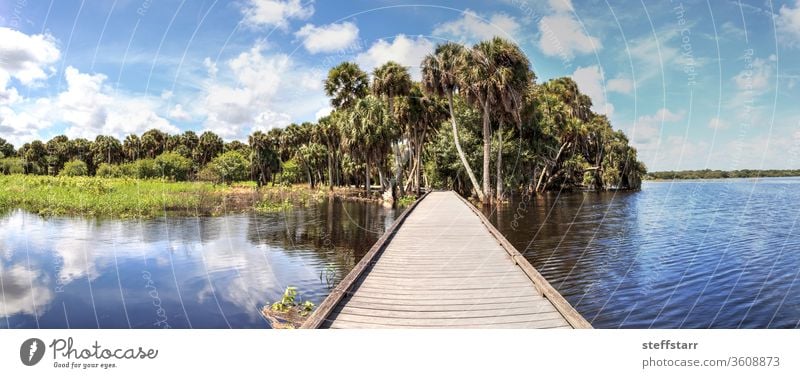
(146, 198)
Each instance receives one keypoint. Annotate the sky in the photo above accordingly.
(694, 84)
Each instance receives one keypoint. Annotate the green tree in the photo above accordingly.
(346, 83)
(264, 160)
(231, 166)
(75, 168)
(391, 80)
(153, 143)
(209, 145)
(173, 165)
(440, 72)
(7, 149)
(493, 78)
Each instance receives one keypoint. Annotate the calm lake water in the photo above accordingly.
(691, 254)
(176, 272)
(684, 254)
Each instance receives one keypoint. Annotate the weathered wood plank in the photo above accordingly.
(441, 264)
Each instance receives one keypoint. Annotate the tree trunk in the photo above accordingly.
(487, 152)
(367, 185)
(555, 164)
(499, 164)
(463, 158)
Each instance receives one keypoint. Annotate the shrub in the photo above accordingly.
(145, 168)
(174, 166)
(290, 172)
(75, 168)
(12, 166)
(209, 174)
(230, 166)
(108, 171)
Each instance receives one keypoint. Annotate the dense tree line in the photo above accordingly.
(718, 174)
(476, 106)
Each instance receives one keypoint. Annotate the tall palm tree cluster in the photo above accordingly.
(476, 106)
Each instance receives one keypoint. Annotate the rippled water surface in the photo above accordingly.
(685, 254)
(177, 272)
(717, 253)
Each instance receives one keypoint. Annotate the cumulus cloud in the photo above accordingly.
(177, 113)
(561, 5)
(756, 76)
(646, 129)
(275, 13)
(562, 35)
(27, 58)
(788, 23)
(717, 123)
(90, 109)
(408, 51)
(471, 27)
(260, 91)
(86, 107)
(591, 82)
(328, 38)
(620, 85)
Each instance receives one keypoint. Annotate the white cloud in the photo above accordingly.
(211, 67)
(620, 85)
(788, 23)
(562, 35)
(27, 58)
(756, 76)
(322, 112)
(87, 108)
(275, 13)
(645, 131)
(591, 82)
(717, 123)
(328, 38)
(177, 113)
(260, 91)
(471, 28)
(561, 5)
(407, 51)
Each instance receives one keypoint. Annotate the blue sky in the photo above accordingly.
(694, 84)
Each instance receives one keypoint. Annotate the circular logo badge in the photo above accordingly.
(31, 351)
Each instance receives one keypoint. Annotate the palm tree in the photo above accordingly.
(439, 78)
(389, 81)
(153, 143)
(263, 157)
(366, 134)
(209, 145)
(494, 75)
(106, 149)
(422, 116)
(346, 83)
(328, 131)
(132, 147)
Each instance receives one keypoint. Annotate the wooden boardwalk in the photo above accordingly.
(443, 265)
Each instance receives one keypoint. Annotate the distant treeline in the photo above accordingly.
(718, 174)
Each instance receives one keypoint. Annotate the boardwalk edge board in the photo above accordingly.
(572, 316)
(327, 311)
(327, 306)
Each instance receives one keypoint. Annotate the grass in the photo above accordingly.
(149, 198)
(106, 197)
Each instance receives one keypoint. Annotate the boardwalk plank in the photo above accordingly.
(442, 265)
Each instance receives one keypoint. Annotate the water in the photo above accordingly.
(177, 272)
(686, 254)
(691, 254)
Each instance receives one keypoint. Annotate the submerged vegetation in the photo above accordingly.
(476, 106)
